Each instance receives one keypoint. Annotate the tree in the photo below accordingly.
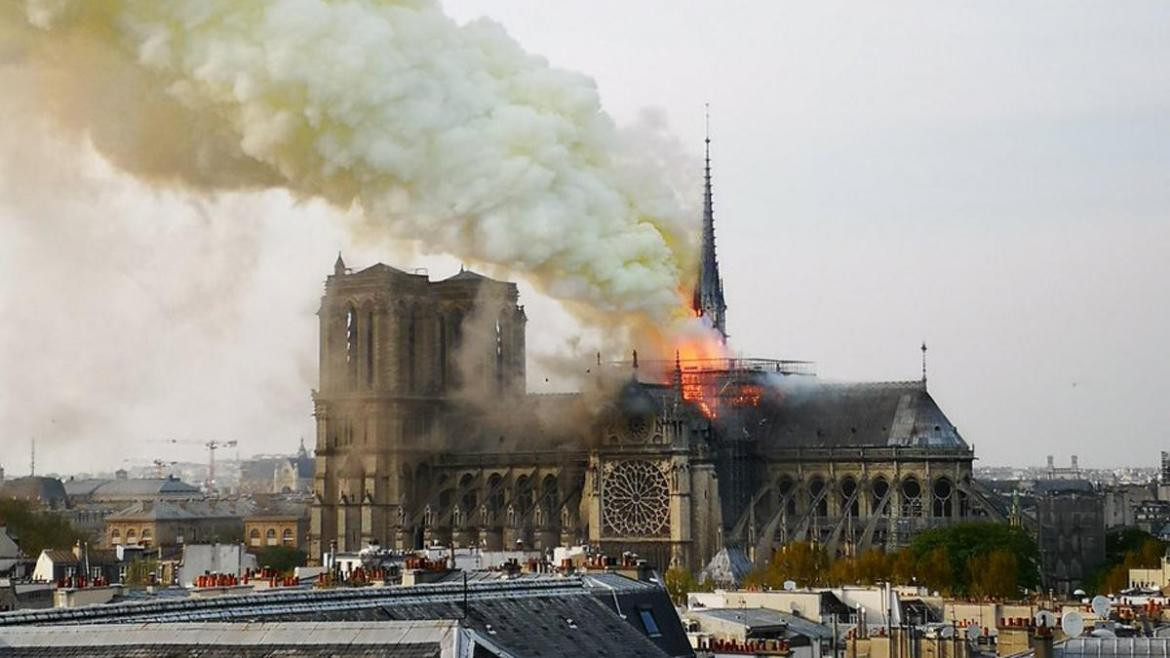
(281, 558)
(37, 530)
(139, 573)
(1125, 549)
(803, 562)
(935, 570)
(680, 582)
(874, 566)
(967, 540)
(993, 574)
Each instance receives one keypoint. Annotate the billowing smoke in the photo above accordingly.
(446, 134)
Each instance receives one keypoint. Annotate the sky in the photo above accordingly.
(991, 178)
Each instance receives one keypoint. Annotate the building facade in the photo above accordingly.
(425, 434)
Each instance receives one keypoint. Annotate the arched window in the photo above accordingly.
(131, 535)
(115, 536)
(849, 504)
(911, 497)
(351, 336)
(880, 488)
(254, 537)
(287, 538)
(942, 505)
(369, 349)
(787, 490)
(815, 487)
(271, 536)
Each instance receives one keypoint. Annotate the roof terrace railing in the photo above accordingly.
(722, 365)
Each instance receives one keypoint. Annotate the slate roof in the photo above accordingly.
(42, 489)
(541, 617)
(727, 569)
(97, 556)
(766, 618)
(161, 510)
(812, 413)
(145, 487)
(303, 640)
(1062, 486)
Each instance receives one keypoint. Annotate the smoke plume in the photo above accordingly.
(447, 134)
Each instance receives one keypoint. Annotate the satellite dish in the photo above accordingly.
(1046, 619)
(973, 632)
(946, 632)
(1101, 606)
(790, 586)
(1078, 592)
(1103, 632)
(1072, 623)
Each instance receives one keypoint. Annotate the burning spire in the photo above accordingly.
(708, 299)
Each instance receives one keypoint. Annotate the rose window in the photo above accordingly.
(637, 499)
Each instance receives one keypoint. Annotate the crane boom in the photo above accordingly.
(211, 446)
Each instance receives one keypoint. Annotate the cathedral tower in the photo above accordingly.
(396, 350)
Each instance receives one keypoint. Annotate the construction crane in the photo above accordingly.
(211, 446)
(159, 465)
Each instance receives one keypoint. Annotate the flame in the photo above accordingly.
(699, 350)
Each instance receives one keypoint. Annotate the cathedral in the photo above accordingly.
(425, 434)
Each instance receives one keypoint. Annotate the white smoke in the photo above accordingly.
(446, 134)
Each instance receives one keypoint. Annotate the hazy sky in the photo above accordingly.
(990, 177)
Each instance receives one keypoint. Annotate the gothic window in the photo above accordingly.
(550, 497)
(848, 489)
(495, 500)
(369, 348)
(499, 356)
(815, 489)
(636, 499)
(442, 352)
(523, 501)
(411, 345)
(880, 488)
(787, 489)
(351, 337)
(942, 504)
(911, 497)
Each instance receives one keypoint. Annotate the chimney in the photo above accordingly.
(1042, 642)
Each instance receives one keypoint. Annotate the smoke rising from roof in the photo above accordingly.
(448, 134)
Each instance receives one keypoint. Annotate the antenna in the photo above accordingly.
(707, 123)
(924, 364)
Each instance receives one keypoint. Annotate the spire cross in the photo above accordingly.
(924, 363)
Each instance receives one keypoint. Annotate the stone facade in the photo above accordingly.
(425, 434)
(290, 531)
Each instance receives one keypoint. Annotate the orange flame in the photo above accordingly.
(699, 349)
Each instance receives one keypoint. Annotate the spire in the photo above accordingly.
(708, 298)
(339, 266)
(924, 364)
